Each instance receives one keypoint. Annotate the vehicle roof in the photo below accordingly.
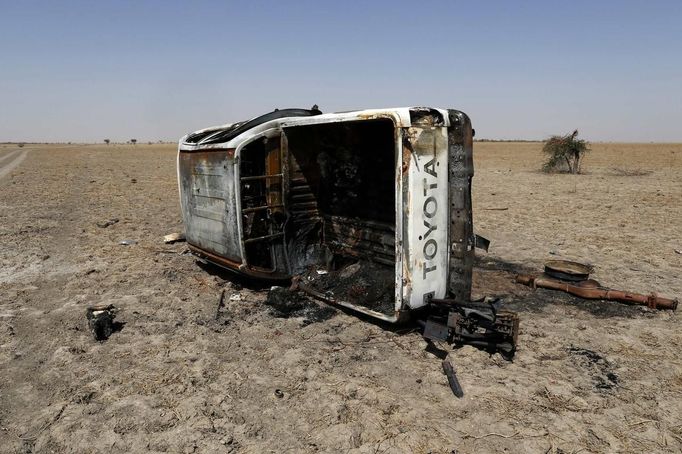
(232, 134)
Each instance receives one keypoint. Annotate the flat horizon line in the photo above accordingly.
(159, 142)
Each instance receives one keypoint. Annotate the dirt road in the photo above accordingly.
(182, 376)
(9, 161)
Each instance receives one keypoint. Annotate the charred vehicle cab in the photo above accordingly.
(370, 209)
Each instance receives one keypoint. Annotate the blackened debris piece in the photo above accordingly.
(482, 243)
(449, 371)
(479, 323)
(499, 335)
(436, 331)
(285, 303)
(101, 321)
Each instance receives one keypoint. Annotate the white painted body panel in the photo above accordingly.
(425, 265)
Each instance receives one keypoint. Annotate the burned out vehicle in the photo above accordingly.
(368, 209)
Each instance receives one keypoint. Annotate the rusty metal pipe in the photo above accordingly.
(596, 292)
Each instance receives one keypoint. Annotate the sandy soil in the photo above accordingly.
(181, 376)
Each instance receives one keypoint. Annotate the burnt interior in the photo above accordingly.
(262, 210)
(321, 204)
(341, 205)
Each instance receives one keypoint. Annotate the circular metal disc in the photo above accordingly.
(567, 270)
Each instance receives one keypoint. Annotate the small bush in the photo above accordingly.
(564, 153)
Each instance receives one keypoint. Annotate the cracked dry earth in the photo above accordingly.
(182, 375)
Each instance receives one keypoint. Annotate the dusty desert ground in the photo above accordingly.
(588, 376)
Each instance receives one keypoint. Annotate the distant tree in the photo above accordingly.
(133, 141)
(564, 153)
(107, 141)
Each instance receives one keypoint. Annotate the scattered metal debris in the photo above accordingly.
(127, 242)
(101, 321)
(575, 280)
(107, 223)
(172, 238)
(478, 323)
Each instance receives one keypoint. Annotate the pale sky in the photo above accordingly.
(89, 70)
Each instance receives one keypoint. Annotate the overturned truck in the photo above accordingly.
(369, 209)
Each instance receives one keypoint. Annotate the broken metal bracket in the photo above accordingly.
(436, 331)
(477, 323)
(482, 243)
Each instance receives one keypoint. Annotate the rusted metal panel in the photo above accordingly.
(208, 201)
(461, 232)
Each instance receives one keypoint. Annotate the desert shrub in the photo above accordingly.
(564, 153)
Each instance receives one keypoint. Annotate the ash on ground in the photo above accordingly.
(601, 369)
(363, 283)
(284, 303)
